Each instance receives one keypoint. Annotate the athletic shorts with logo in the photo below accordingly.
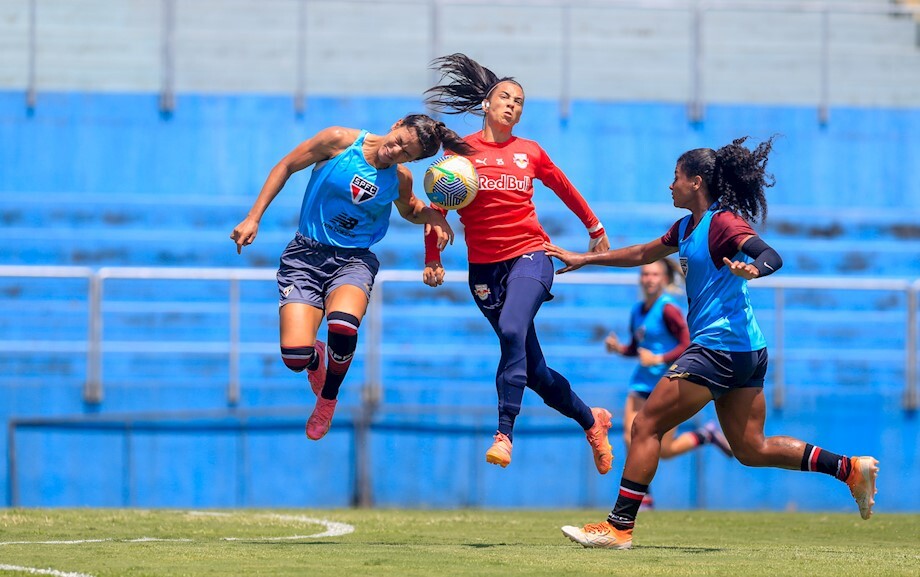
(310, 270)
(489, 281)
(720, 371)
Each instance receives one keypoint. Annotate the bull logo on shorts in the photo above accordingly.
(362, 190)
(482, 291)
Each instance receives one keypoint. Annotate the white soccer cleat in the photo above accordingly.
(601, 535)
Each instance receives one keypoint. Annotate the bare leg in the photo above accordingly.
(742, 413)
(634, 404)
(672, 402)
(299, 323)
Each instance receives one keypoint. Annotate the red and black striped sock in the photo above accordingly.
(821, 461)
(340, 346)
(624, 512)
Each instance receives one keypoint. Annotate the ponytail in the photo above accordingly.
(433, 134)
(467, 85)
(735, 176)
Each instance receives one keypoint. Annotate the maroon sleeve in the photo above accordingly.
(672, 237)
(632, 349)
(677, 326)
(726, 232)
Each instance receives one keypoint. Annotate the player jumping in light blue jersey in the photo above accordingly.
(328, 266)
(727, 360)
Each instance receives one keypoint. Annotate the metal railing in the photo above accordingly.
(372, 329)
(699, 10)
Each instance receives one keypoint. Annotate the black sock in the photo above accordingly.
(624, 512)
(821, 461)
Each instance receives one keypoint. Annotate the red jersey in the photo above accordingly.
(501, 222)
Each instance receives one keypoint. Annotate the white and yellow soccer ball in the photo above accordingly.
(451, 182)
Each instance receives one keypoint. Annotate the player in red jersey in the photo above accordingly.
(510, 275)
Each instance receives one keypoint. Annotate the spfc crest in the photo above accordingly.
(362, 190)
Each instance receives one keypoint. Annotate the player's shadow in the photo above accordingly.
(682, 549)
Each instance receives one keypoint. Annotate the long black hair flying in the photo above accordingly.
(464, 85)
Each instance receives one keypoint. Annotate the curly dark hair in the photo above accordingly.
(433, 134)
(467, 84)
(734, 175)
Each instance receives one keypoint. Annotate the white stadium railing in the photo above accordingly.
(96, 343)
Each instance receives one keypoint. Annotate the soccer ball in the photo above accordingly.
(451, 182)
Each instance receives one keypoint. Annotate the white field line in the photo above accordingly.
(34, 571)
(333, 529)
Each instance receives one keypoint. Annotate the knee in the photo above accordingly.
(343, 335)
(297, 358)
(749, 453)
(511, 334)
(642, 427)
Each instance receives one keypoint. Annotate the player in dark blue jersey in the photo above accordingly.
(328, 267)
(658, 336)
(727, 360)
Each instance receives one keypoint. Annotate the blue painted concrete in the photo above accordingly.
(106, 180)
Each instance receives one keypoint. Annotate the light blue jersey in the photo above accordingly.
(649, 331)
(347, 202)
(720, 315)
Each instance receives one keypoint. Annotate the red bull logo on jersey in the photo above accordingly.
(362, 190)
(521, 160)
(506, 182)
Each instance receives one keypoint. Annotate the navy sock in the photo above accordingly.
(821, 461)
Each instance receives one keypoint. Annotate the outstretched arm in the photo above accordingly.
(325, 144)
(635, 255)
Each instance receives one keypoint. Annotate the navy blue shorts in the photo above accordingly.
(720, 371)
(311, 270)
(489, 282)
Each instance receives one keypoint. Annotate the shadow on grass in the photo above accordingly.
(682, 549)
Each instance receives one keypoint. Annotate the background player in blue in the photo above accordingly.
(659, 334)
(328, 267)
(723, 189)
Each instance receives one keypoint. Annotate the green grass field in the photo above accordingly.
(109, 542)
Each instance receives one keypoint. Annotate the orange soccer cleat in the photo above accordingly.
(600, 444)
(500, 451)
(861, 481)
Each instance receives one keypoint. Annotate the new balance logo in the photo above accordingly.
(344, 221)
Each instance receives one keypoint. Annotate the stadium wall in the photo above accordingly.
(92, 179)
